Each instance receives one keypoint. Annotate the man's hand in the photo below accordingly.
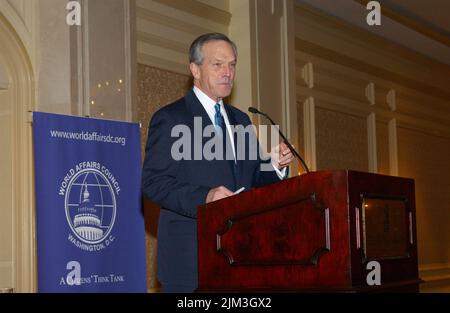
(218, 193)
(285, 156)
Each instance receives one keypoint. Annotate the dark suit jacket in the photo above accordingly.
(180, 186)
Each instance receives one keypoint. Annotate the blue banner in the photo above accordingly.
(90, 225)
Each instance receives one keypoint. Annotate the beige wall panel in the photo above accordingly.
(301, 130)
(301, 97)
(383, 83)
(6, 188)
(423, 100)
(163, 53)
(368, 48)
(163, 47)
(6, 192)
(383, 148)
(156, 88)
(161, 20)
(269, 56)
(165, 30)
(428, 101)
(379, 70)
(333, 77)
(381, 91)
(300, 79)
(335, 102)
(338, 86)
(109, 101)
(198, 8)
(163, 64)
(429, 109)
(340, 75)
(53, 59)
(426, 159)
(5, 275)
(17, 257)
(219, 4)
(244, 91)
(436, 277)
(179, 15)
(22, 15)
(341, 141)
(164, 41)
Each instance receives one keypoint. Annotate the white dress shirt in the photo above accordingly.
(208, 104)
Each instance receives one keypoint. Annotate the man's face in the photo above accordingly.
(215, 76)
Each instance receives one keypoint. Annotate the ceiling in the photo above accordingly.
(432, 13)
(421, 25)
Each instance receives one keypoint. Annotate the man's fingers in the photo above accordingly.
(285, 160)
(218, 193)
(286, 157)
(219, 196)
(286, 152)
(222, 192)
(227, 192)
(284, 149)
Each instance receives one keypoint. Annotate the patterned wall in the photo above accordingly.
(156, 88)
(341, 141)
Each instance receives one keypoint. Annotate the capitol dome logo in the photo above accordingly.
(90, 206)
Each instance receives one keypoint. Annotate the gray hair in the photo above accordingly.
(195, 51)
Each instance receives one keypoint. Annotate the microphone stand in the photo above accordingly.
(253, 110)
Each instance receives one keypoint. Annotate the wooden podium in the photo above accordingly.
(318, 232)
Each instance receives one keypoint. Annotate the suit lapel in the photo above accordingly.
(197, 108)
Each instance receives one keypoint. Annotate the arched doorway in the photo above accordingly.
(17, 235)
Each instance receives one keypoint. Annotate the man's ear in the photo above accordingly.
(195, 70)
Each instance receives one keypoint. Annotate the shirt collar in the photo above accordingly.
(206, 101)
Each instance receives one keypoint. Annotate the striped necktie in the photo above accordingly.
(219, 121)
(221, 128)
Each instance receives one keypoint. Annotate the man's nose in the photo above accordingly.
(227, 70)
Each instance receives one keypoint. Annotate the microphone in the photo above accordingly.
(256, 111)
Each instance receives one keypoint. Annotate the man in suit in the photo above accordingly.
(180, 185)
